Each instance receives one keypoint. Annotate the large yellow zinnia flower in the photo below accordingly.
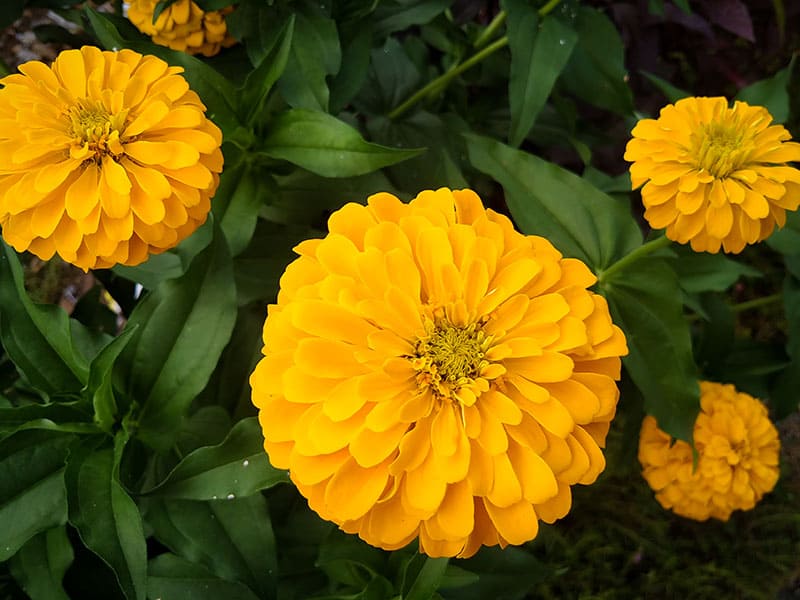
(183, 26)
(105, 157)
(429, 372)
(737, 457)
(714, 176)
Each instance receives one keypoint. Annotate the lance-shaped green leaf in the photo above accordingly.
(544, 199)
(66, 417)
(184, 324)
(40, 565)
(237, 467)
(315, 54)
(259, 82)
(421, 577)
(246, 192)
(105, 516)
(233, 538)
(645, 301)
(32, 497)
(327, 146)
(37, 337)
(100, 390)
(176, 578)
(596, 70)
(538, 55)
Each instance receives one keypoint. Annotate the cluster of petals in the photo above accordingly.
(183, 26)
(431, 373)
(105, 158)
(714, 176)
(737, 457)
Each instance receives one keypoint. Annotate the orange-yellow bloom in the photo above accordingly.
(105, 158)
(737, 449)
(431, 373)
(183, 26)
(714, 176)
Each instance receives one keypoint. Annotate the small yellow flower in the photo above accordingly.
(105, 158)
(737, 448)
(431, 373)
(183, 26)
(714, 176)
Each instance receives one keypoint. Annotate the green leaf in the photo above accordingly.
(232, 538)
(315, 54)
(66, 417)
(397, 15)
(538, 55)
(348, 560)
(357, 38)
(105, 31)
(772, 93)
(99, 389)
(709, 272)
(784, 391)
(645, 301)
(239, 208)
(176, 578)
(32, 497)
(426, 581)
(326, 146)
(237, 467)
(105, 516)
(507, 574)
(40, 565)
(37, 337)
(184, 324)
(672, 93)
(596, 71)
(546, 200)
(260, 80)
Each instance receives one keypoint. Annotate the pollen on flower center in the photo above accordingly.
(95, 129)
(451, 358)
(720, 148)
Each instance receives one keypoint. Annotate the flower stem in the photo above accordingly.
(438, 84)
(625, 261)
(490, 30)
(757, 303)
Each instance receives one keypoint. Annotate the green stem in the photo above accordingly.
(447, 77)
(625, 261)
(757, 303)
(490, 30)
(438, 84)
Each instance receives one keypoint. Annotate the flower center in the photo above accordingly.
(721, 148)
(451, 358)
(94, 130)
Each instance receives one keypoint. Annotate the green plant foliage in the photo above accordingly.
(132, 462)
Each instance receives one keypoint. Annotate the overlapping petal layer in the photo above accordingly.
(105, 158)
(738, 450)
(183, 26)
(714, 176)
(431, 373)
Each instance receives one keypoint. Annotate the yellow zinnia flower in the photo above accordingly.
(183, 26)
(737, 457)
(430, 372)
(714, 176)
(105, 158)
